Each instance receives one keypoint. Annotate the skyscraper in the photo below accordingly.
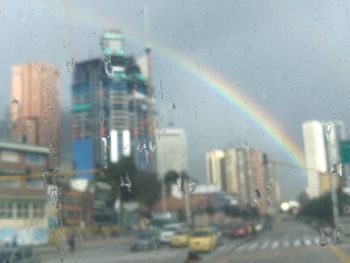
(110, 113)
(214, 167)
(171, 151)
(35, 113)
(230, 181)
(321, 145)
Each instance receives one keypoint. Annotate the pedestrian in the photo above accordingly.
(14, 241)
(71, 242)
(193, 257)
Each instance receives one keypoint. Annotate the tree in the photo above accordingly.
(116, 172)
(147, 188)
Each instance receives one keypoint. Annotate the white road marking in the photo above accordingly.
(275, 244)
(307, 241)
(297, 243)
(264, 245)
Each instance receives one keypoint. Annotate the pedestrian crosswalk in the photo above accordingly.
(282, 243)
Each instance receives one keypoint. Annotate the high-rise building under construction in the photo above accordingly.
(112, 112)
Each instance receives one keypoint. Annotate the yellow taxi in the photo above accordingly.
(202, 240)
(180, 238)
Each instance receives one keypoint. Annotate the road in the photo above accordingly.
(290, 241)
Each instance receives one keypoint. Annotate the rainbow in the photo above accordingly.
(214, 82)
(236, 98)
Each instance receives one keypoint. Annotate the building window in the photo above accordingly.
(6, 210)
(38, 210)
(36, 159)
(22, 210)
(9, 156)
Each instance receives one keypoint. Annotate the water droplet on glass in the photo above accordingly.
(336, 236)
(264, 96)
(172, 106)
(161, 90)
(139, 147)
(337, 169)
(102, 118)
(108, 66)
(125, 181)
(192, 187)
(104, 140)
(3, 12)
(258, 193)
(152, 146)
(70, 65)
(16, 103)
(194, 115)
(323, 241)
(328, 127)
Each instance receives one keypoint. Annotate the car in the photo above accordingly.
(239, 231)
(18, 255)
(167, 232)
(202, 240)
(145, 241)
(180, 238)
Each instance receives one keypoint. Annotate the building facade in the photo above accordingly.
(214, 167)
(171, 151)
(24, 216)
(322, 147)
(35, 112)
(111, 114)
(22, 159)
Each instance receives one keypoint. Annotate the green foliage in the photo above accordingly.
(145, 187)
(321, 208)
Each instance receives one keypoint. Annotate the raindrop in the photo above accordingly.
(70, 65)
(328, 127)
(194, 115)
(139, 147)
(152, 146)
(264, 95)
(108, 66)
(16, 103)
(336, 236)
(180, 184)
(323, 241)
(104, 141)
(172, 106)
(126, 182)
(161, 90)
(102, 118)
(192, 187)
(337, 169)
(246, 147)
(3, 12)
(258, 194)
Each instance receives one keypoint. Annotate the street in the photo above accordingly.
(288, 241)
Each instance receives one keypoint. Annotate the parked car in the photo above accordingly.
(168, 231)
(239, 231)
(180, 238)
(203, 240)
(144, 241)
(18, 255)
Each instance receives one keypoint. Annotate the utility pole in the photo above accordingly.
(163, 193)
(187, 202)
(334, 172)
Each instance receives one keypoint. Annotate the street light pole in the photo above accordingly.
(163, 193)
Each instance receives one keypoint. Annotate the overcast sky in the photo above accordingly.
(290, 58)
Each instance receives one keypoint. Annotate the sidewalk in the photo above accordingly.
(83, 244)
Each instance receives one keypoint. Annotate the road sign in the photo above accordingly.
(345, 151)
